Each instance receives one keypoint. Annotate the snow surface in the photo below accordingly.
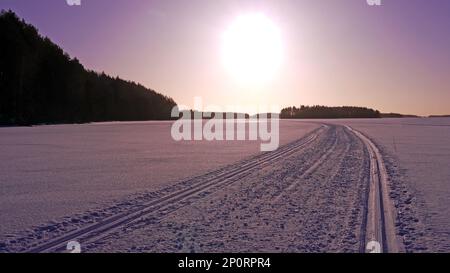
(49, 172)
(418, 153)
(311, 199)
(59, 178)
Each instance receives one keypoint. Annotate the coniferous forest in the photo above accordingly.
(40, 83)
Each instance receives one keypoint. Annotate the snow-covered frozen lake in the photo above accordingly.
(47, 172)
(50, 172)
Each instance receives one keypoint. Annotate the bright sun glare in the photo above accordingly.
(252, 49)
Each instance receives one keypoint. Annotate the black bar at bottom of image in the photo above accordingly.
(252, 262)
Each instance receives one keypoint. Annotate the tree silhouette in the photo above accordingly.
(318, 111)
(40, 83)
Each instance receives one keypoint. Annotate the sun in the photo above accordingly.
(252, 49)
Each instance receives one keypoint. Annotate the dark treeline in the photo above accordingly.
(397, 115)
(439, 116)
(218, 115)
(40, 83)
(328, 112)
(226, 115)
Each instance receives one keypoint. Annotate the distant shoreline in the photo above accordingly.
(168, 120)
(439, 116)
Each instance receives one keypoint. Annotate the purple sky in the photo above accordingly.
(393, 58)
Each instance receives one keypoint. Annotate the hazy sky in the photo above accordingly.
(395, 57)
